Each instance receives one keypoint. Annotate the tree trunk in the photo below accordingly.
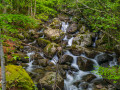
(2, 64)
(31, 9)
(35, 9)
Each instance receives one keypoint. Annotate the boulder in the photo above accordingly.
(47, 82)
(85, 64)
(56, 23)
(21, 57)
(77, 50)
(43, 42)
(41, 62)
(63, 17)
(72, 28)
(82, 29)
(82, 40)
(66, 59)
(54, 34)
(83, 85)
(117, 50)
(103, 58)
(51, 49)
(17, 78)
(88, 77)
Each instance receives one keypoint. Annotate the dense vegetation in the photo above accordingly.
(17, 16)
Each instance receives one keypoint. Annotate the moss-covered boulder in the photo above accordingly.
(18, 79)
(54, 34)
(43, 42)
(72, 28)
(82, 29)
(20, 36)
(56, 23)
(83, 40)
(41, 62)
(48, 81)
(51, 49)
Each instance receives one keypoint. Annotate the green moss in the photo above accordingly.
(43, 42)
(17, 77)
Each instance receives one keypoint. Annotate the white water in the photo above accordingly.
(64, 26)
(77, 76)
(55, 59)
(31, 59)
(94, 43)
(65, 38)
(70, 41)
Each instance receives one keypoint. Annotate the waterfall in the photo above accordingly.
(70, 41)
(64, 26)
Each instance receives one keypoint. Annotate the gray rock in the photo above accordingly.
(85, 64)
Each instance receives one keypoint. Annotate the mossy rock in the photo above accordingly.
(20, 36)
(54, 34)
(48, 80)
(83, 40)
(51, 49)
(56, 24)
(18, 78)
(43, 42)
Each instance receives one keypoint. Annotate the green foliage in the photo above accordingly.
(17, 77)
(46, 7)
(11, 24)
(111, 73)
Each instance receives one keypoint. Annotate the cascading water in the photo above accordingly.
(76, 75)
(31, 59)
(64, 26)
(70, 41)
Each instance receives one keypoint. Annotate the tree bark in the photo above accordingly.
(2, 64)
(31, 9)
(35, 9)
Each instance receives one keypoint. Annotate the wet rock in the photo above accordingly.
(118, 61)
(88, 77)
(54, 34)
(85, 64)
(43, 42)
(72, 68)
(72, 28)
(82, 29)
(56, 23)
(51, 49)
(77, 50)
(37, 56)
(103, 58)
(41, 62)
(65, 67)
(21, 57)
(63, 17)
(48, 80)
(84, 85)
(82, 40)
(117, 50)
(66, 59)
(51, 64)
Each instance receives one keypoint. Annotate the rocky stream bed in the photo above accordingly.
(81, 49)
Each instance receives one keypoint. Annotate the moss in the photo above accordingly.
(17, 77)
(43, 42)
(51, 48)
